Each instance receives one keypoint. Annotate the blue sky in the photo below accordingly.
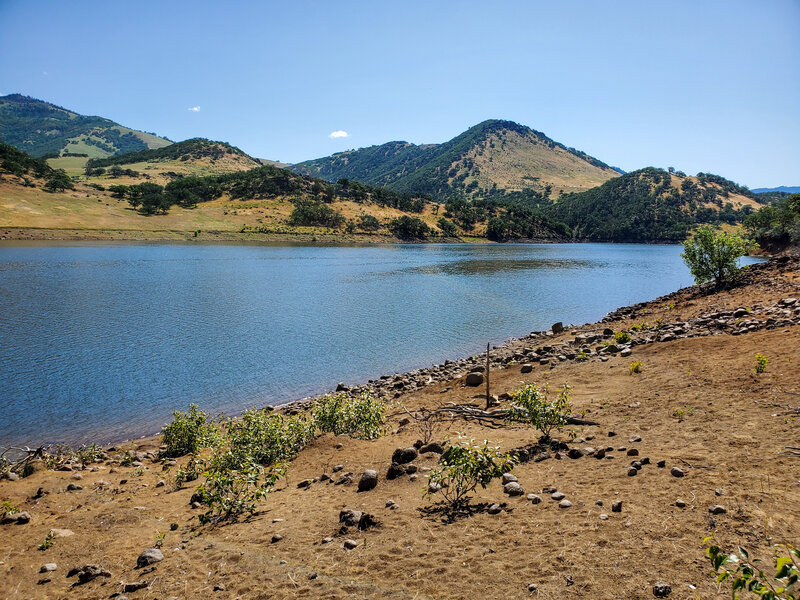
(702, 86)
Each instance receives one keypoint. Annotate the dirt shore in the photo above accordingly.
(697, 405)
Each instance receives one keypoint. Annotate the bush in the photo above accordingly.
(313, 213)
(368, 223)
(361, 418)
(188, 433)
(234, 484)
(712, 256)
(448, 228)
(761, 363)
(531, 405)
(622, 337)
(58, 182)
(635, 367)
(409, 228)
(465, 466)
(750, 577)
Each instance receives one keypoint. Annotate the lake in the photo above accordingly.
(101, 341)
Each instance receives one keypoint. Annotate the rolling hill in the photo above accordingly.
(40, 128)
(492, 158)
(652, 205)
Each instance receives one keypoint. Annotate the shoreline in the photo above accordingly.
(513, 351)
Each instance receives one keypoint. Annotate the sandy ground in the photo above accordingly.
(696, 404)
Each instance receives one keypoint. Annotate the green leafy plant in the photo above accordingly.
(160, 535)
(582, 356)
(761, 363)
(189, 432)
(635, 367)
(234, 485)
(464, 466)
(532, 405)
(361, 418)
(188, 473)
(266, 438)
(749, 578)
(643, 326)
(679, 414)
(48, 541)
(712, 255)
(622, 337)
(7, 508)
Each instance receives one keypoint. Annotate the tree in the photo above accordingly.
(712, 255)
(58, 182)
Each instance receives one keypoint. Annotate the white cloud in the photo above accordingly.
(194, 108)
(339, 134)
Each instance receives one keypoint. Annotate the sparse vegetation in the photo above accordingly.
(49, 539)
(712, 255)
(532, 405)
(360, 418)
(749, 579)
(189, 432)
(464, 466)
(761, 363)
(622, 337)
(635, 367)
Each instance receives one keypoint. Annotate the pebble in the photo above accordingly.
(368, 480)
(616, 506)
(661, 464)
(149, 556)
(534, 498)
(676, 472)
(532, 587)
(276, 538)
(48, 568)
(632, 472)
(565, 503)
(557, 496)
(680, 503)
(513, 488)
(350, 544)
(717, 509)
(508, 478)
(495, 509)
(661, 589)
(603, 517)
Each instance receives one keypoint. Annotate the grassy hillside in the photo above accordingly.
(652, 205)
(40, 128)
(491, 159)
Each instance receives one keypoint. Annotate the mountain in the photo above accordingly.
(783, 189)
(492, 158)
(40, 128)
(652, 205)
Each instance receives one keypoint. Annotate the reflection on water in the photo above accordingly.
(101, 341)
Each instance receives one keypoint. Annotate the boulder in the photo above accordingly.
(432, 447)
(557, 327)
(395, 471)
(402, 456)
(513, 488)
(474, 379)
(368, 480)
(508, 478)
(149, 556)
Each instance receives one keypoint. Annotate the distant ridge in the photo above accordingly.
(492, 158)
(44, 129)
(783, 189)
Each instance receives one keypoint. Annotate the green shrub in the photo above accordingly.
(368, 223)
(267, 438)
(361, 418)
(761, 363)
(712, 255)
(635, 367)
(750, 579)
(622, 337)
(464, 466)
(531, 405)
(409, 228)
(447, 227)
(313, 213)
(189, 432)
(7, 508)
(234, 484)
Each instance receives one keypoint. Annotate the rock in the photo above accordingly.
(327, 540)
(495, 509)
(395, 471)
(513, 488)
(600, 453)
(575, 453)
(220, 587)
(305, 483)
(612, 433)
(23, 517)
(557, 327)
(661, 464)
(313, 575)
(645, 460)
(390, 503)
(532, 587)
(149, 556)
(633, 471)
(337, 468)
(625, 352)
(133, 586)
(432, 447)
(603, 517)
(598, 503)
(87, 573)
(474, 379)
(635, 438)
(341, 387)
(534, 498)
(680, 503)
(350, 544)
(61, 533)
(676, 472)
(717, 509)
(526, 368)
(161, 483)
(276, 538)
(508, 478)
(616, 506)
(368, 480)
(661, 589)
(633, 452)
(404, 421)
(402, 456)
(48, 568)
(350, 517)
(564, 503)
(74, 488)
(637, 465)
(558, 496)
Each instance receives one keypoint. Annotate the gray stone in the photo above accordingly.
(48, 568)
(558, 496)
(661, 589)
(368, 480)
(633, 471)
(676, 472)
(402, 456)
(149, 556)
(23, 517)
(534, 498)
(508, 478)
(633, 452)
(526, 368)
(513, 488)
(603, 517)
(474, 379)
(557, 327)
(717, 509)
(495, 509)
(564, 503)
(350, 544)
(431, 447)
(133, 586)
(276, 538)
(680, 503)
(616, 506)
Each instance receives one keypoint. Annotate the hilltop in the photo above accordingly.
(653, 205)
(492, 158)
(41, 128)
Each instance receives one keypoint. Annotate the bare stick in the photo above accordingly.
(488, 396)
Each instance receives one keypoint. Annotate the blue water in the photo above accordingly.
(101, 341)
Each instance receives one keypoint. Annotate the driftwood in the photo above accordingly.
(493, 418)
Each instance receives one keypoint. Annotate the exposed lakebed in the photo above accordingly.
(101, 341)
